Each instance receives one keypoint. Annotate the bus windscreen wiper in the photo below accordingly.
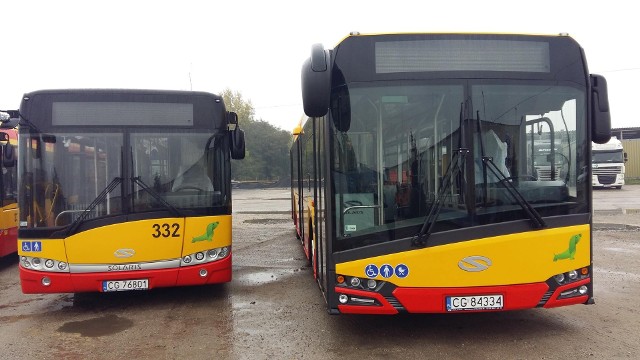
(487, 163)
(456, 166)
(155, 195)
(100, 198)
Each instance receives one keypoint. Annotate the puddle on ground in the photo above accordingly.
(262, 277)
(257, 278)
(102, 326)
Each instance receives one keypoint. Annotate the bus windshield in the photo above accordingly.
(391, 160)
(173, 165)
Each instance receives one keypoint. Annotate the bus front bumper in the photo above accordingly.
(38, 282)
(435, 300)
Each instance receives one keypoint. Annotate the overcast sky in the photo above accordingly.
(257, 47)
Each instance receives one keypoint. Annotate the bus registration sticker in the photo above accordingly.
(478, 302)
(125, 285)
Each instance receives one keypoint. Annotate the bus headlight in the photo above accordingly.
(371, 284)
(573, 274)
(40, 264)
(205, 256)
(355, 282)
(343, 298)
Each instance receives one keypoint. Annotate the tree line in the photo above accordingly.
(267, 147)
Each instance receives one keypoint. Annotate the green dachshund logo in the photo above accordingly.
(570, 253)
(208, 235)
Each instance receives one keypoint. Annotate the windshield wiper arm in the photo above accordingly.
(487, 163)
(455, 167)
(100, 198)
(531, 212)
(155, 195)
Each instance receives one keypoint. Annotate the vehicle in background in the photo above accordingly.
(548, 162)
(8, 184)
(607, 164)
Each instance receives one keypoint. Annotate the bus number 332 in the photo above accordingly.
(165, 230)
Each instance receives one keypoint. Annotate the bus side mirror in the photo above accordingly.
(600, 116)
(237, 144)
(316, 82)
(236, 136)
(8, 155)
(7, 152)
(625, 157)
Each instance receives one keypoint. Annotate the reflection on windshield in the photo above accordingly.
(615, 156)
(69, 176)
(177, 168)
(389, 164)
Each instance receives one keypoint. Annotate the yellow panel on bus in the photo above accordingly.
(152, 240)
(47, 248)
(9, 216)
(509, 259)
(203, 233)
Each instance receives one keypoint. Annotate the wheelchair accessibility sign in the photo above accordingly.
(32, 246)
(386, 271)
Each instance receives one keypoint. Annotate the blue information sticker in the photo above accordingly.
(371, 271)
(386, 271)
(402, 271)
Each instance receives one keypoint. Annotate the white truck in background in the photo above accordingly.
(607, 164)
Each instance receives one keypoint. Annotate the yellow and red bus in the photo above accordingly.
(124, 189)
(8, 185)
(413, 186)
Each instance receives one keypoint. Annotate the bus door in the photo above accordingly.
(319, 261)
(359, 176)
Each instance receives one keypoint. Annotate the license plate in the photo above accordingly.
(125, 285)
(477, 302)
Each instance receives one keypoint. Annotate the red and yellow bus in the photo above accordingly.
(124, 189)
(413, 186)
(8, 185)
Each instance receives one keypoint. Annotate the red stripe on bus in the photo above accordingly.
(433, 300)
(384, 309)
(555, 302)
(217, 272)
